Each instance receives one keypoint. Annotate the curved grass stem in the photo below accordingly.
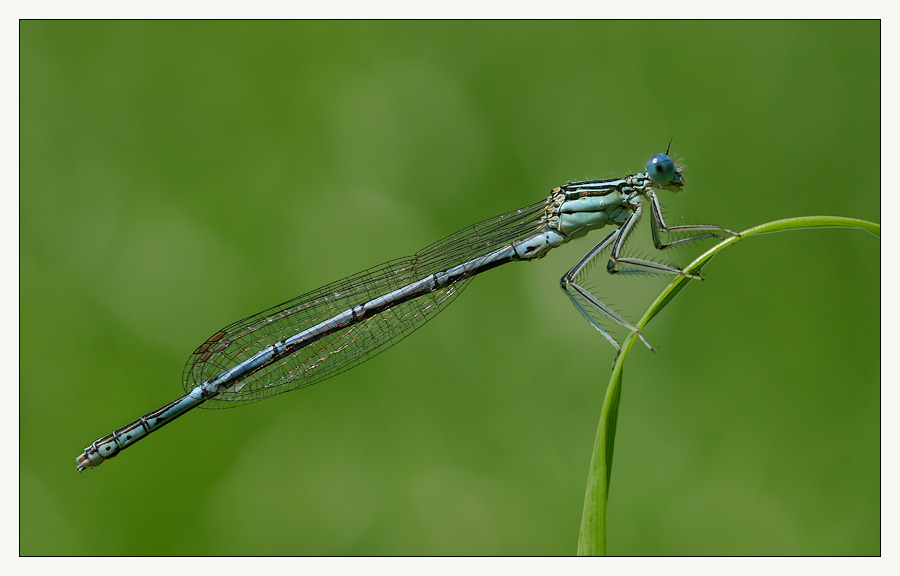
(592, 537)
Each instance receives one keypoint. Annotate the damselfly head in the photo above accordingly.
(661, 169)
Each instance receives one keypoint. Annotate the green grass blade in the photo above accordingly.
(592, 538)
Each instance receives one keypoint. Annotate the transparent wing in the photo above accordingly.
(357, 342)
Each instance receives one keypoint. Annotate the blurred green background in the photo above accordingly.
(178, 176)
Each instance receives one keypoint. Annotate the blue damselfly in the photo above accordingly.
(342, 324)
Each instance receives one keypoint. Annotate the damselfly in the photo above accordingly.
(342, 324)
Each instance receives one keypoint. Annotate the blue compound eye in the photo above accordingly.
(661, 169)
